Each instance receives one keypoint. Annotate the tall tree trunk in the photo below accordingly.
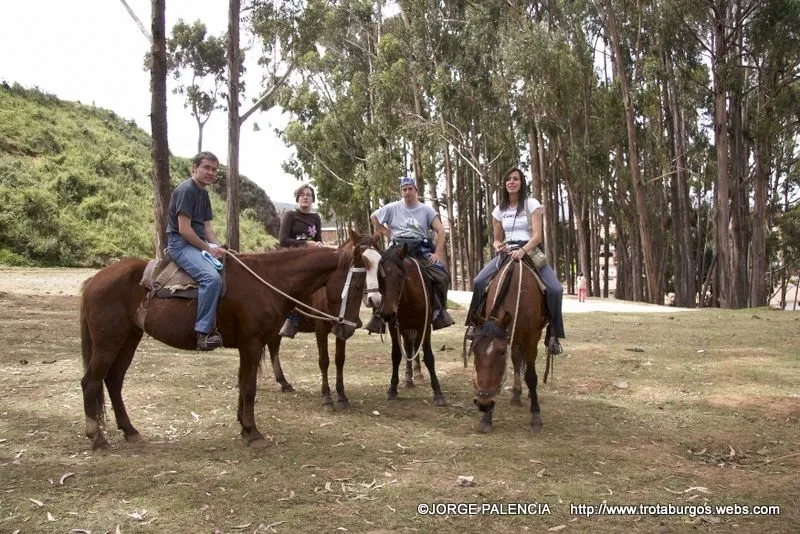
(234, 124)
(159, 147)
(645, 231)
(721, 231)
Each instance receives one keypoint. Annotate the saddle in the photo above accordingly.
(164, 279)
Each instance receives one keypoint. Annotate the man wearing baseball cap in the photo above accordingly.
(408, 221)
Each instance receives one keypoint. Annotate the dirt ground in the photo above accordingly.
(41, 281)
(695, 410)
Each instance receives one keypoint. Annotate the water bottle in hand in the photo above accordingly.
(212, 260)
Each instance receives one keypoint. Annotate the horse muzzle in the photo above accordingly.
(484, 400)
(345, 332)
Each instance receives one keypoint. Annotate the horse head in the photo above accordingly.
(391, 280)
(345, 289)
(372, 293)
(490, 347)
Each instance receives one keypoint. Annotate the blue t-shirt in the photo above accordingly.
(193, 202)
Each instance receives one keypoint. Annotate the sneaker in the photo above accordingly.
(289, 329)
(442, 320)
(555, 346)
(470, 333)
(376, 325)
(209, 341)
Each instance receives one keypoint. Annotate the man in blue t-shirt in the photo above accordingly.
(408, 221)
(189, 234)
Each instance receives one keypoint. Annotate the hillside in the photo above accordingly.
(76, 189)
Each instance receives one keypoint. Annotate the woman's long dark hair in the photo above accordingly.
(523, 190)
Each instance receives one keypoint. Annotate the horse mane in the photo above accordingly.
(288, 254)
(501, 294)
(490, 329)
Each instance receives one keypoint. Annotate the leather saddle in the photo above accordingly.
(164, 279)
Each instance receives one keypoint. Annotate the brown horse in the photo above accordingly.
(518, 302)
(322, 329)
(248, 315)
(406, 306)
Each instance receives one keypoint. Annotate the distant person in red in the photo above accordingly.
(581, 288)
(300, 228)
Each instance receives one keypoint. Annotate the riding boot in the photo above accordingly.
(441, 318)
(210, 341)
(376, 325)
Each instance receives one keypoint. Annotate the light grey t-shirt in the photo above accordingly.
(403, 221)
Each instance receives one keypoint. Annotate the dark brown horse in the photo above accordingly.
(322, 328)
(515, 321)
(248, 315)
(406, 307)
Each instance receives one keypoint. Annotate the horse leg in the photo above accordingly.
(341, 353)
(99, 354)
(408, 342)
(391, 394)
(324, 362)
(485, 426)
(438, 396)
(417, 369)
(114, 380)
(409, 381)
(516, 390)
(274, 346)
(531, 379)
(249, 356)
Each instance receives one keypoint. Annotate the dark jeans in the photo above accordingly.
(554, 294)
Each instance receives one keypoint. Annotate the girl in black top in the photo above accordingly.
(300, 228)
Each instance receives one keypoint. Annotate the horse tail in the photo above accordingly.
(86, 356)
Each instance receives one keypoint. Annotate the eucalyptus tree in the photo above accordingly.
(193, 54)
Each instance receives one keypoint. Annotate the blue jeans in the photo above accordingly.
(554, 293)
(207, 277)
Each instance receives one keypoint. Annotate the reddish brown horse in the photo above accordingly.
(406, 306)
(515, 321)
(248, 315)
(322, 329)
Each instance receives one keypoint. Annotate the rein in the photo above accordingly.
(322, 315)
(427, 315)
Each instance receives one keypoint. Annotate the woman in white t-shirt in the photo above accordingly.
(511, 225)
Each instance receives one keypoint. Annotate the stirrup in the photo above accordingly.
(210, 341)
(442, 320)
(289, 329)
(376, 325)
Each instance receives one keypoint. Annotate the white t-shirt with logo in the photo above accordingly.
(515, 225)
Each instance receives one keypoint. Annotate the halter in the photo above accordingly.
(321, 314)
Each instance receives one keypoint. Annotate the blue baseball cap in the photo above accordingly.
(408, 180)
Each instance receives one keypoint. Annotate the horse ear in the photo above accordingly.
(355, 238)
(506, 320)
(403, 251)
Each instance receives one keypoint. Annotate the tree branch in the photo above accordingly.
(266, 96)
(138, 22)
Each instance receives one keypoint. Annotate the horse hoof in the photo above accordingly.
(99, 444)
(483, 428)
(418, 377)
(328, 406)
(409, 384)
(392, 395)
(439, 400)
(259, 443)
(536, 429)
(287, 388)
(515, 401)
(343, 404)
(133, 438)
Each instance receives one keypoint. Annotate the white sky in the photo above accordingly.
(92, 51)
